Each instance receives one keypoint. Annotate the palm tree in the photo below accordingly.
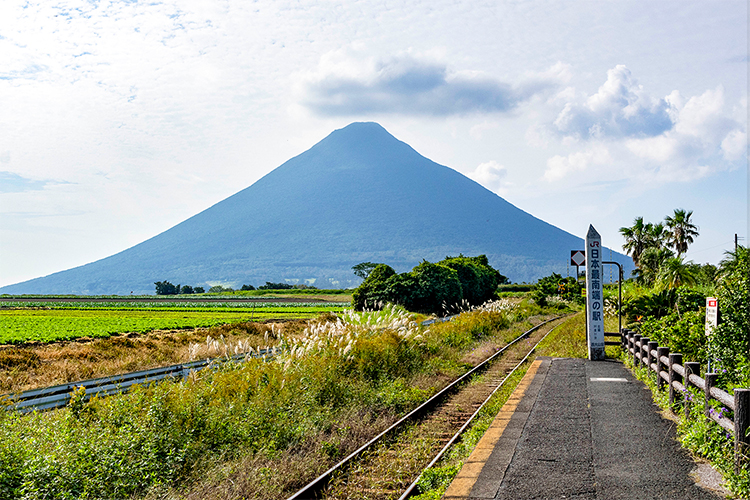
(675, 272)
(637, 239)
(657, 235)
(651, 261)
(731, 261)
(681, 230)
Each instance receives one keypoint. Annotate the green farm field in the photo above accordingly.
(65, 321)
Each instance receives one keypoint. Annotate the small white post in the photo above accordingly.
(594, 297)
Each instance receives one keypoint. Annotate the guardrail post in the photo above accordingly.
(660, 352)
(741, 426)
(691, 368)
(674, 359)
(636, 350)
(711, 379)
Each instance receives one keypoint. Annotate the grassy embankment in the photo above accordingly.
(259, 429)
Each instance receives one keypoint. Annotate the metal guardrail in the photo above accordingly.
(58, 396)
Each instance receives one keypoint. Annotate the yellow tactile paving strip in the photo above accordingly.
(467, 477)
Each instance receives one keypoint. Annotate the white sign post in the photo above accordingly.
(594, 298)
(712, 315)
(712, 320)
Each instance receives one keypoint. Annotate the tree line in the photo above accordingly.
(167, 288)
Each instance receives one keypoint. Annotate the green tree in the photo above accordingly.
(651, 261)
(681, 230)
(439, 288)
(372, 290)
(638, 238)
(166, 288)
(275, 286)
(674, 272)
(363, 269)
(657, 235)
(732, 260)
(479, 280)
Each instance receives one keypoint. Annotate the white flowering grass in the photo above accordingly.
(501, 306)
(339, 337)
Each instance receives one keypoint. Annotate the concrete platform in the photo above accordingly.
(579, 429)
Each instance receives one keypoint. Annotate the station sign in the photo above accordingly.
(594, 295)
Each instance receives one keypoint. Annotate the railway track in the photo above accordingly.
(389, 466)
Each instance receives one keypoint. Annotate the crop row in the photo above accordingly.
(39, 325)
(160, 305)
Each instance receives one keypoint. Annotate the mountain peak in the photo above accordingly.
(358, 195)
(360, 132)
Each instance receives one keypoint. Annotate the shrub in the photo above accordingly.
(555, 285)
(368, 294)
(439, 288)
(730, 344)
(684, 334)
(430, 288)
(479, 281)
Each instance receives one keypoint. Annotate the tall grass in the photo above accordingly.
(337, 382)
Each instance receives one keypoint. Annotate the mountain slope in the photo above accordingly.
(358, 195)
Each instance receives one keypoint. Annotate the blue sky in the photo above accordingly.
(120, 119)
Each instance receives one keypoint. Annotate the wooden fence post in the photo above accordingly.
(652, 346)
(636, 350)
(674, 359)
(711, 379)
(741, 425)
(660, 352)
(629, 340)
(693, 368)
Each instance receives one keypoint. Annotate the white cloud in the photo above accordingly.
(649, 141)
(346, 83)
(734, 145)
(491, 175)
(620, 108)
(559, 167)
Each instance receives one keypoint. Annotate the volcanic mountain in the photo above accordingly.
(358, 195)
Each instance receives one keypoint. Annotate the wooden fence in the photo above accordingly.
(679, 377)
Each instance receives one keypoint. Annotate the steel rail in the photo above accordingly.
(411, 489)
(312, 489)
(58, 396)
